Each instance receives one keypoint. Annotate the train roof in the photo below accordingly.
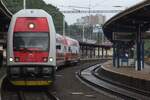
(71, 41)
(60, 38)
(32, 13)
(67, 40)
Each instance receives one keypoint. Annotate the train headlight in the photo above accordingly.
(31, 26)
(14, 70)
(11, 59)
(16, 59)
(51, 59)
(47, 70)
(45, 59)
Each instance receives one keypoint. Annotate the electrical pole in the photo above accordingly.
(64, 25)
(24, 4)
(83, 38)
(90, 34)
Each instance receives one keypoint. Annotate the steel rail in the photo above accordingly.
(115, 90)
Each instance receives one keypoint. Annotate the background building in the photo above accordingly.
(91, 20)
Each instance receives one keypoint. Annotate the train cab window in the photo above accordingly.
(58, 47)
(31, 41)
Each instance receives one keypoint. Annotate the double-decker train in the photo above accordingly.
(31, 49)
(32, 46)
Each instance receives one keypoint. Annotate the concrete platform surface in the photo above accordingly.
(144, 74)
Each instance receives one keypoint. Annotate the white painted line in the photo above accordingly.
(56, 97)
(58, 75)
(77, 93)
(90, 96)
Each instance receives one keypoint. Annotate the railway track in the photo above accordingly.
(33, 95)
(8, 92)
(29, 95)
(87, 76)
(107, 79)
(25, 93)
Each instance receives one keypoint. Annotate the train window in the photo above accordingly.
(31, 41)
(69, 49)
(65, 49)
(58, 47)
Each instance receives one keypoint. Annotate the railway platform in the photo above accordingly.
(127, 75)
(129, 71)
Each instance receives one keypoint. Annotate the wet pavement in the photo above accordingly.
(68, 87)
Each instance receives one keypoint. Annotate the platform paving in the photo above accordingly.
(144, 74)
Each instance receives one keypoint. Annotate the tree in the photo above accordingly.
(16, 5)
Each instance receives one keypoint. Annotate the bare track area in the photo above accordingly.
(10, 92)
(68, 87)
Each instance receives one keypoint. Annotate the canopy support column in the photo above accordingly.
(102, 52)
(142, 51)
(114, 55)
(98, 52)
(139, 49)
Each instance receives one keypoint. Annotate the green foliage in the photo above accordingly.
(147, 47)
(16, 5)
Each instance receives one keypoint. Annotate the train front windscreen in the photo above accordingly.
(31, 47)
(31, 41)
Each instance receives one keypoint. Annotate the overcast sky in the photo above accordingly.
(93, 4)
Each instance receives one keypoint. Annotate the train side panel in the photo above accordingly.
(72, 53)
(60, 50)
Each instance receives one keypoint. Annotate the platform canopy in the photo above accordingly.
(125, 25)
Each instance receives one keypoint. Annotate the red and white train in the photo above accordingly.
(32, 46)
(31, 49)
(67, 50)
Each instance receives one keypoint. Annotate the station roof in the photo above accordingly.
(108, 46)
(124, 25)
